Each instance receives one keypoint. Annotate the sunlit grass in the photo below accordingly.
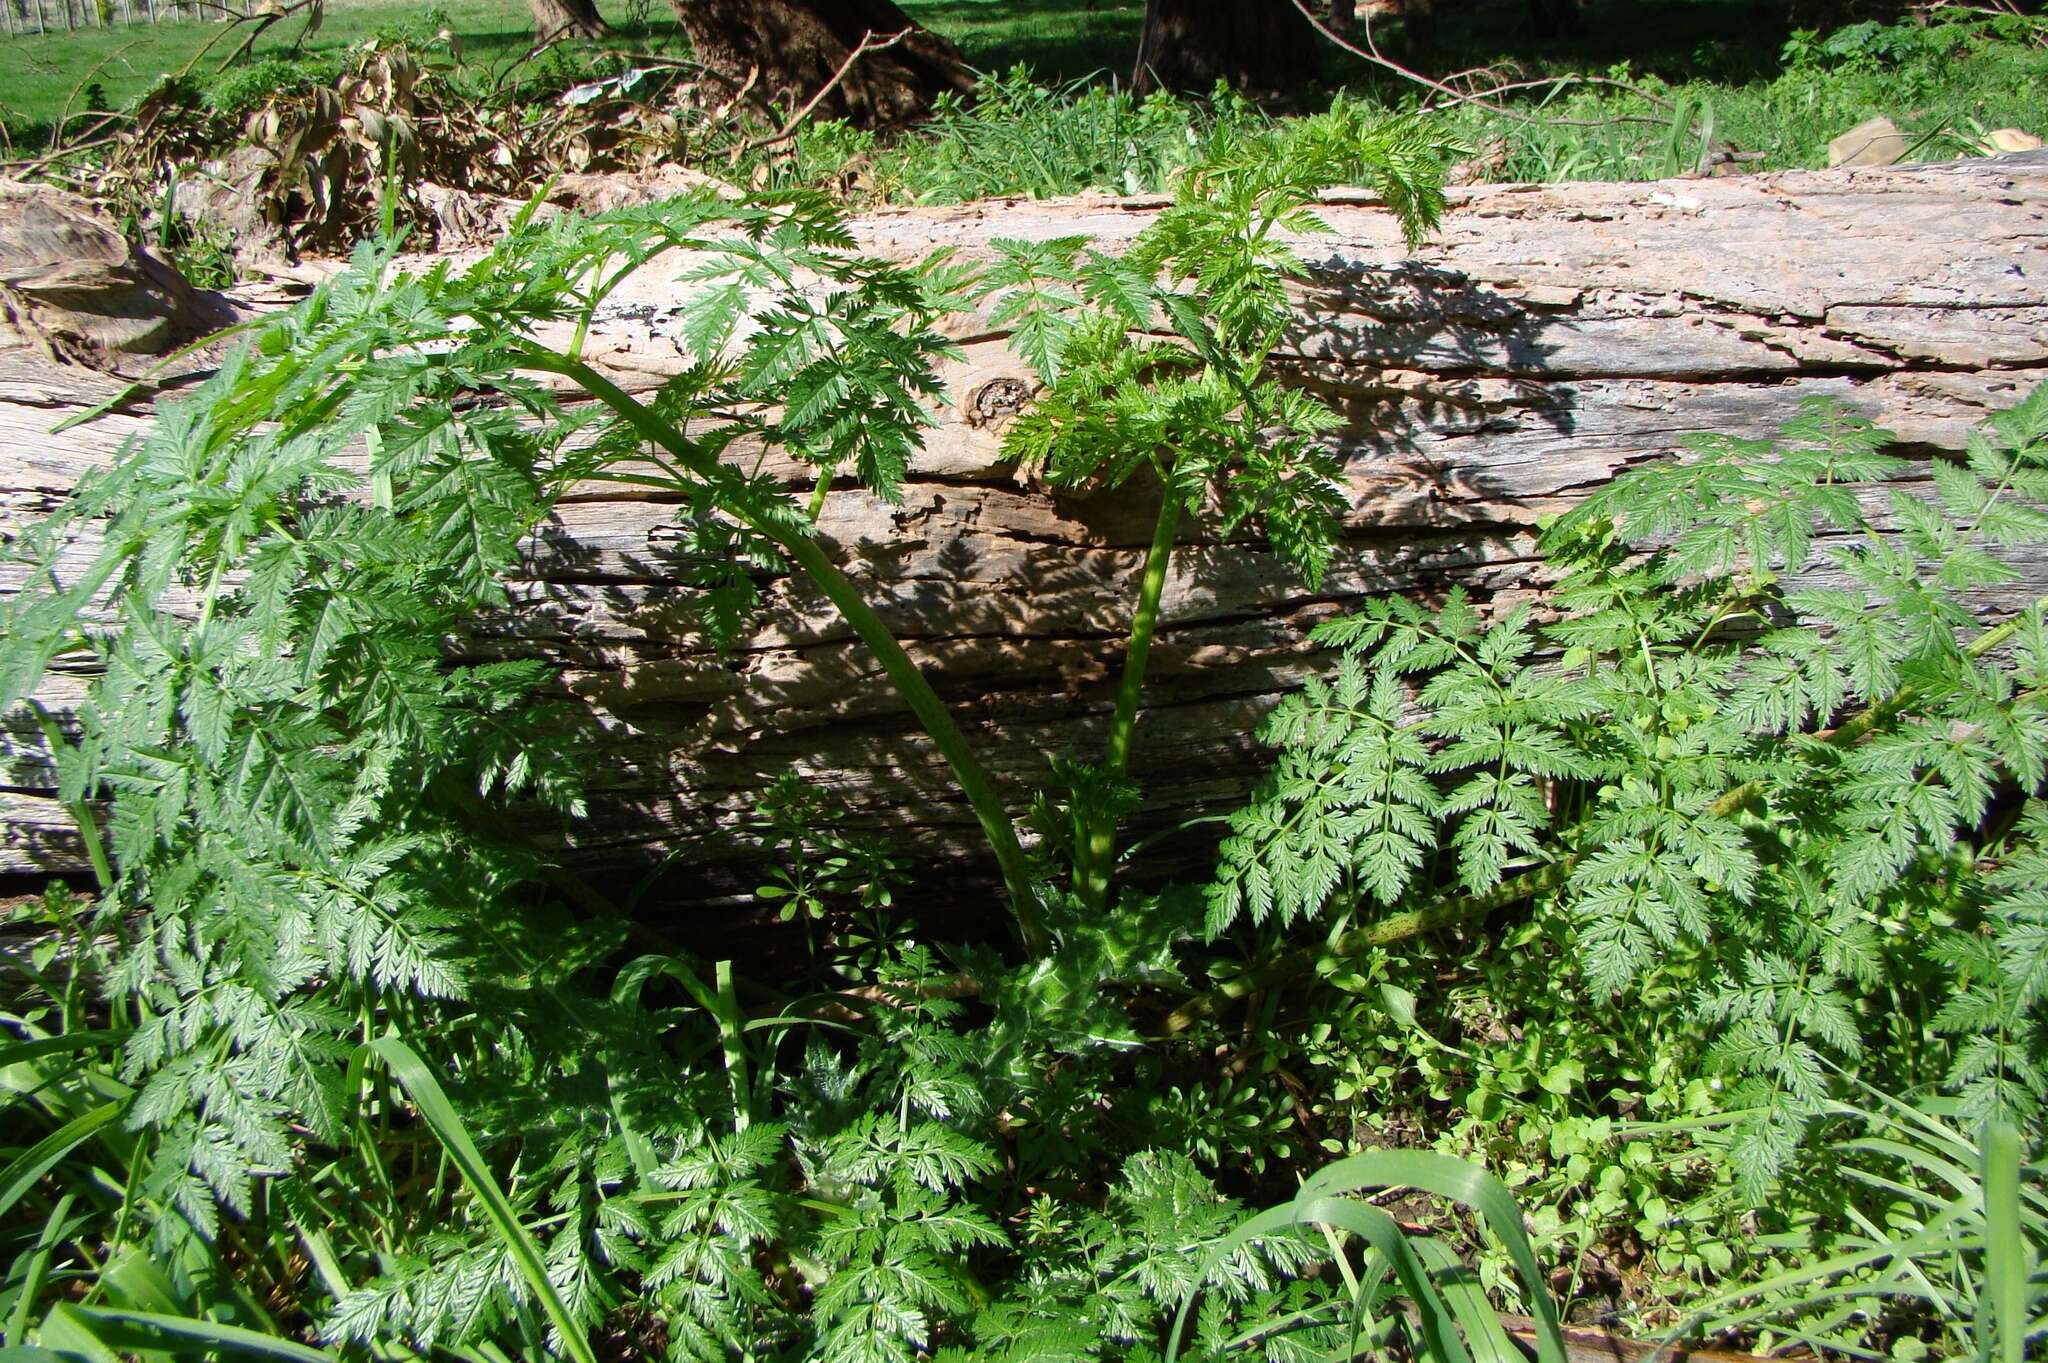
(46, 73)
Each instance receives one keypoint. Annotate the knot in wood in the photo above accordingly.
(996, 399)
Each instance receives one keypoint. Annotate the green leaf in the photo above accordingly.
(440, 1115)
(28, 1168)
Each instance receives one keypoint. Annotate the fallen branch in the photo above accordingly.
(868, 43)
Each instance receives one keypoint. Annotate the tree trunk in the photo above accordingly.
(1557, 19)
(73, 287)
(792, 49)
(1547, 338)
(554, 20)
(1260, 46)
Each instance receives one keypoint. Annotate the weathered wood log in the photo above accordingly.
(1545, 339)
(72, 286)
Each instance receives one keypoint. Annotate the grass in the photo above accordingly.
(1714, 72)
(1059, 39)
(109, 68)
(1783, 94)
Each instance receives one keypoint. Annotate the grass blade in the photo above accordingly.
(1466, 1297)
(28, 1169)
(67, 1332)
(426, 1094)
(1470, 1186)
(133, 1331)
(37, 1269)
(21, 1052)
(2005, 1247)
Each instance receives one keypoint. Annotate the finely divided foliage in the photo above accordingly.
(340, 1046)
(296, 803)
(1199, 408)
(292, 778)
(1763, 725)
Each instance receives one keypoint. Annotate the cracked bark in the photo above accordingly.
(1548, 338)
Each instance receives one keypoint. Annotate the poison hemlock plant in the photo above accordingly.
(329, 1068)
(1763, 728)
(366, 1060)
(1938, 1221)
(1198, 413)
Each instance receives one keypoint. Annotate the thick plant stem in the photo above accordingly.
(910, 683)
(1446, 912)
(1096, 857)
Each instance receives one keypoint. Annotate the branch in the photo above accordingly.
(868, 43)
(1371, 53)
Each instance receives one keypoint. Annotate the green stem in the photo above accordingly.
(1096, 857)
(938, 725)
(80, 809)
(1446, 912)
(909, 681)
(817, 506)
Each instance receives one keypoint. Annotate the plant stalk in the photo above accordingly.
(1095, 858)
(904, 674)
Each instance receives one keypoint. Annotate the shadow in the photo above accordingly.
(1058, 39)
(1430, 369)
(1675, 40)
(1015, 602)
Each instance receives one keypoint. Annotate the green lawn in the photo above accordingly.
(46, 71)
(1061, 39)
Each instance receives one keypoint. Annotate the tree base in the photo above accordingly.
(789, 50)
(1260, 47)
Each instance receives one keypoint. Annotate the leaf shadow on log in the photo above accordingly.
(1016, 601)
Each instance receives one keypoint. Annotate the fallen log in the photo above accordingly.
(1546, 338)
(73, 287)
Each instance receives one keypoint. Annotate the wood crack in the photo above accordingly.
(1550, 338)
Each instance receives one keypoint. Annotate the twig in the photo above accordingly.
(539, 45)
(40, 165)
(1371, 53)
(868, 43)
(1558, 84)
(264, 23)
(733, 101)
(64, 117)
(234, 20)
